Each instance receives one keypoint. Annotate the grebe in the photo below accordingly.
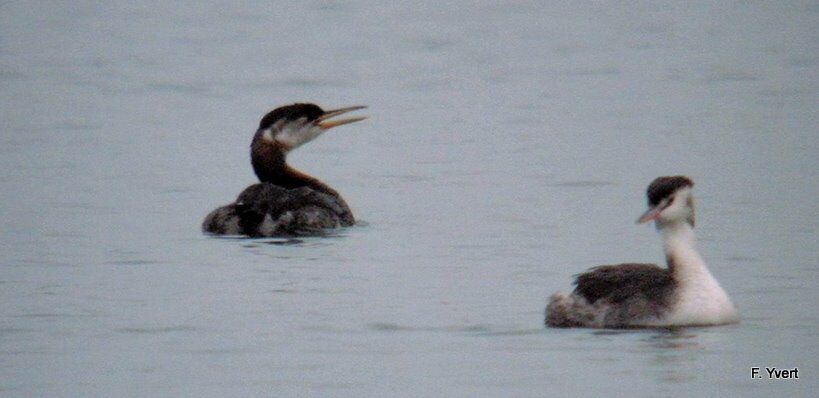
(645, 295)
(287, 201)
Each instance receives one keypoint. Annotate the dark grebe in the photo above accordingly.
(287, 201)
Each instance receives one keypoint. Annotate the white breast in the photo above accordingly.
(701, 301)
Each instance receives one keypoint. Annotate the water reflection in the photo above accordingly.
(671, 352)
(274, 242)
(674, 351)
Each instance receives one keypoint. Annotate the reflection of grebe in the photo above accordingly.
(645, 295)
(287, 201)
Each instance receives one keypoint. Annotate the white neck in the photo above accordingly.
(701, 299)
(679, 243)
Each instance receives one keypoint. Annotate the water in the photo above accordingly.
(508, 148)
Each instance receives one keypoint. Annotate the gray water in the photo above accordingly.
(509, 147)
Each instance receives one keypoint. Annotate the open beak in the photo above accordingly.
(651, 214)
(325, 124)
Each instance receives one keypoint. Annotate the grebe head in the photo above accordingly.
(293, 125)
(670, 200)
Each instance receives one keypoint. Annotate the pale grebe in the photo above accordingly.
(645, 295)
(287, 201)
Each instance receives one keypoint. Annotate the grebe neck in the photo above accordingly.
(681, 253)
(700, 300)
(292, 178)
(270, 165)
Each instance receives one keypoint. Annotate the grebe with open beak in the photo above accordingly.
(287, 201)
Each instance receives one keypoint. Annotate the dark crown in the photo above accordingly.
(291, 112)
(663, 187)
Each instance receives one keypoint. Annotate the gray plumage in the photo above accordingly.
(613, 296)
(265, 209)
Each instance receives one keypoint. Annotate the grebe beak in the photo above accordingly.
(651, 214)
(325, 124)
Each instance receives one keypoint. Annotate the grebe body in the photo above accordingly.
(286, 201)
(645, 295)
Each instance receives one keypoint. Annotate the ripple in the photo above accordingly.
(785, 92)
(581, 184)
(802, 61)
(51, 315)
(156, 330)
(223, 351)
(274, 241)
(175, 190)
(742, 259)
(610, 71)
(43, 262)
(12, 75)
(75, 126)
(284, 291)
(300, 82)
(429, 44)
(730, 76)
(522, 332)
(180, 88)
(137, 261)
(402, 177)
(13, 330)
(393, 327)
(673, 339)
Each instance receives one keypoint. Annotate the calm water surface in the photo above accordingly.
(508, 148)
